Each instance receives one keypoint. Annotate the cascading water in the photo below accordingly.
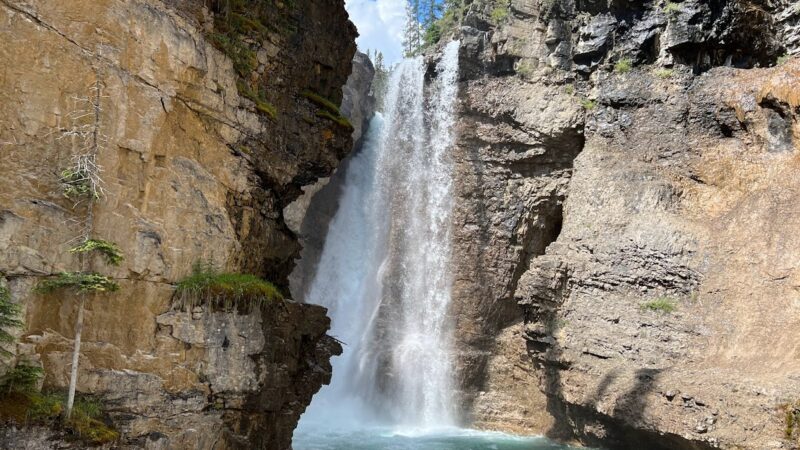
(384, 272)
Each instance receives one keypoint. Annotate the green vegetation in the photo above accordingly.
(499, 13)
(76, 182)
(661, 304)
(329, 111)
(259, 98)
(792, 419)
(624, 65)
(110, 251)
(22, 378)
(9, 318)
(569, 89)
(429, 20)
(782, 60)
(432, 34)
(321, 101)
(239, 27)
(224, 289)
(588, 104)
(244, 59)
(672, 9)
(87, 423)
(340, 120)
(82, 282)
(664, 73)
(524, 68)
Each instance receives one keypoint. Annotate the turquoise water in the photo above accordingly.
(386, 439)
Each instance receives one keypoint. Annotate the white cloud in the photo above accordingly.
(380, 26)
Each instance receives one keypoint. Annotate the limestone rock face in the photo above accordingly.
(192, 171)
(310, 215)
(613, 158)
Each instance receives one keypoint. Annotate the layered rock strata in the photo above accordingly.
(194, 169)
(624, 176)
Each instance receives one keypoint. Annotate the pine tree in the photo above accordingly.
(380, 81)
(412, 41)
(82, 184)
(433, 10)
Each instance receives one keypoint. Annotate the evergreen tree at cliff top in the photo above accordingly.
(427, 21)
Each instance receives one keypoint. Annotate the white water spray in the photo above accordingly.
(384, 273)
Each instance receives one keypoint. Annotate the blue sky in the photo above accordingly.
(380, 26)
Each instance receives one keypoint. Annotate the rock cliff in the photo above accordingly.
(625, 177)
(206, 133)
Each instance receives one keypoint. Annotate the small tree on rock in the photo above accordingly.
(82, 184)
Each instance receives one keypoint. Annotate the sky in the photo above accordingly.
(380, 26)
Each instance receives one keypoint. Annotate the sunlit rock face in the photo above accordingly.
(192, 171)
(613, 157)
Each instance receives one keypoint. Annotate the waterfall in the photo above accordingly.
(384, 273)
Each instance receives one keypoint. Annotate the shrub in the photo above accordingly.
(662, 304)
(569, 89)
(499, 14)
(664, 73)
(782, 60)
(588, 104)
(624, 65)
(224, 289)
(110, 251)
(792, 419)
(672, 9)
(9, 318)
(86, 423)
(83, 282)
(524, 69)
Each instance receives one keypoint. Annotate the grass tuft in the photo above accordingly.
(86, 424)
(330, 110)
(259, 98)
(624, 65)
(664, 73)
(340, 120)
(588, 104)
(224, 290)
(661, 304)
(322, 102)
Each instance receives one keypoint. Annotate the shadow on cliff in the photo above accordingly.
(621, 429)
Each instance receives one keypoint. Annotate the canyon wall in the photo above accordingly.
(626, 269)
(195, 168)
